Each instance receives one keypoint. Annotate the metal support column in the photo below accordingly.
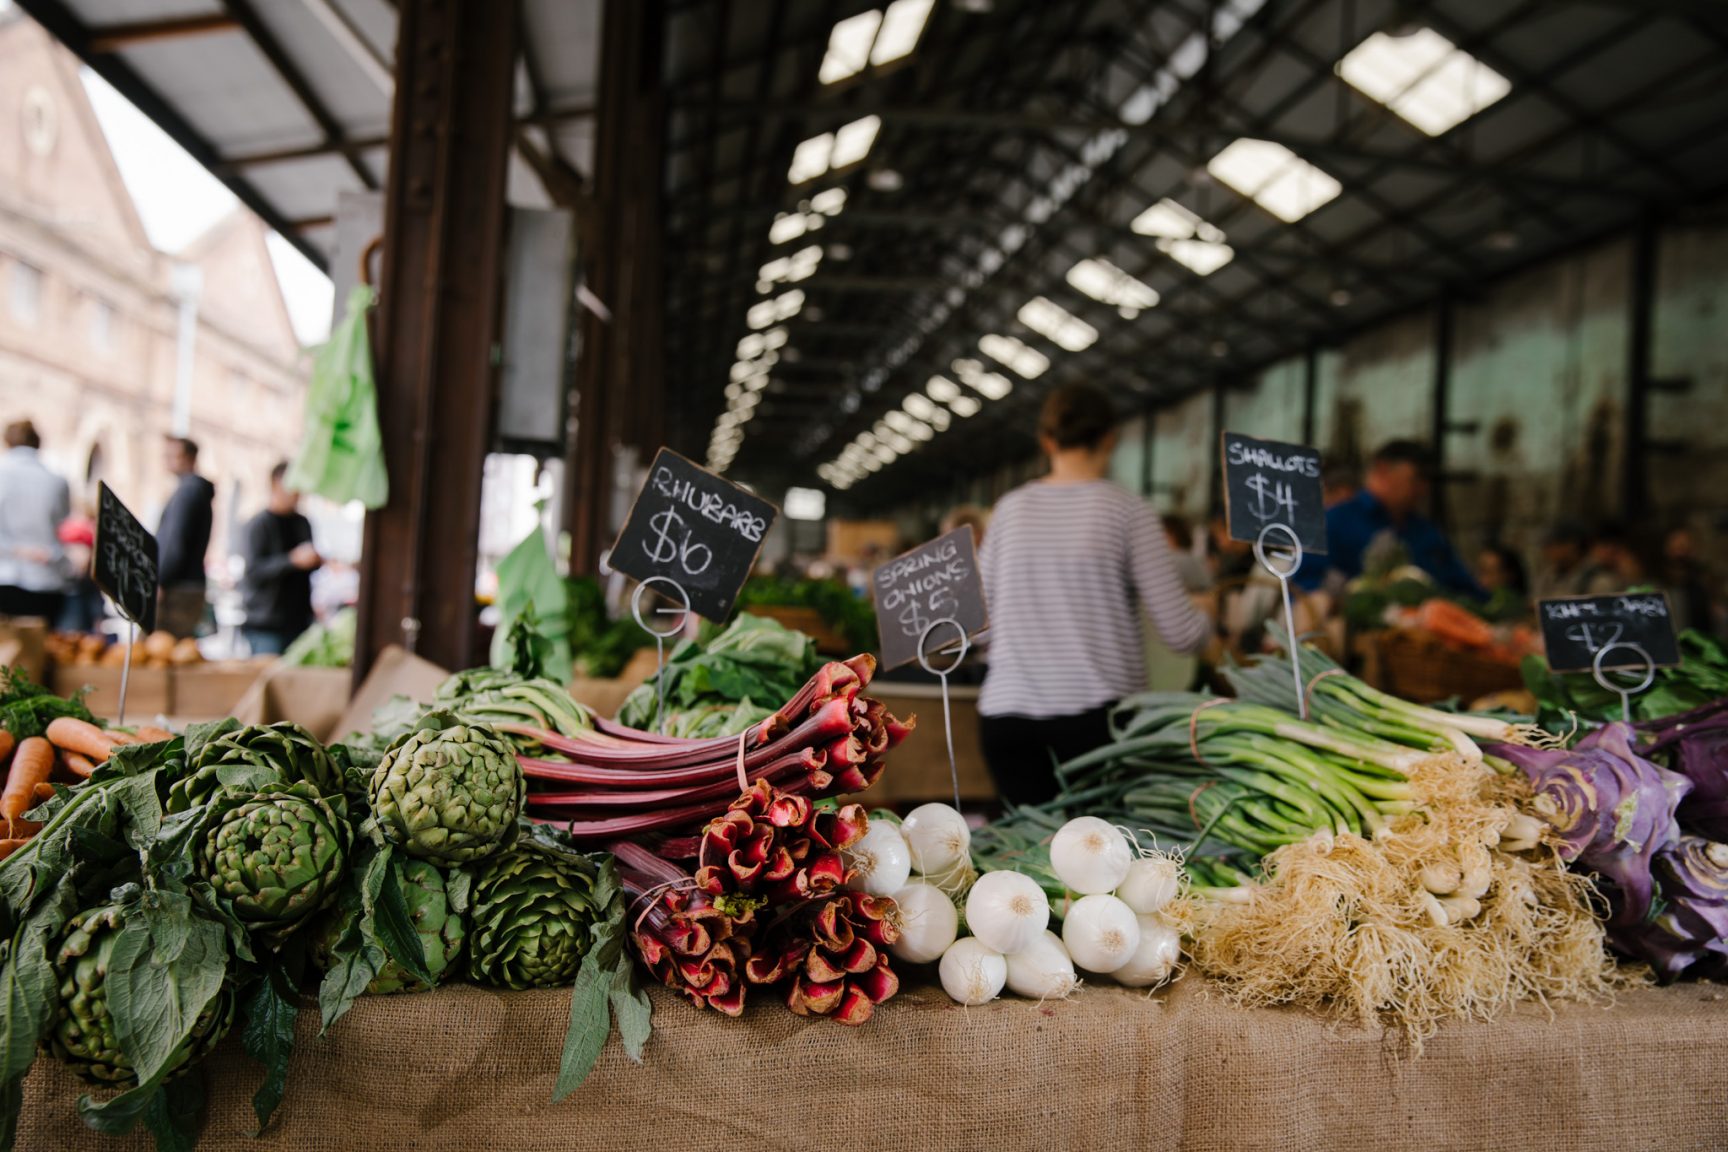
(1634, 473)
(1441, 401)
(619, 376)
(437, 318)
(1310, 392)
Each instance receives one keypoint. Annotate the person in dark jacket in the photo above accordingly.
(182, 538)
(276, 589)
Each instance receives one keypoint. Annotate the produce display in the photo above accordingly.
(327, 644)
(156, 650)
(1700, 678)
(725, 680)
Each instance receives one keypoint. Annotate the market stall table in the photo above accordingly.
(464, 1068)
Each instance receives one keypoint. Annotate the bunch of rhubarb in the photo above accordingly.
(616, 781)
(765, 906)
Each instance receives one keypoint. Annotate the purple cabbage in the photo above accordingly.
(1614, 811)
(1690, 920)
(1695, 744)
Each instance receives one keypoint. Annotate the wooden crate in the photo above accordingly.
(1416, 666)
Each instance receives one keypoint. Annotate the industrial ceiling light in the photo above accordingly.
(1056, 324)
(849, 46)
(828, 202)
(1108, 284)
(990, 385)
(902, 25)
(852, 141)
(964, 406)
(1423, 77)
(1028, 362)
(919, 405)
(943, 389)
(1184, 237)
(885, 180)
(1274, 177)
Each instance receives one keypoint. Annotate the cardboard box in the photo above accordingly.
(22, 640)
(149, 692)
(917, 771)
(396, 672)
(314, 698)
(211, 691)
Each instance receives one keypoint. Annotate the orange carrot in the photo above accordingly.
(78, 765)
(150, 734)
(82, 737)
(7, 847)
(43, 792)
(31, 765)
(6, 745)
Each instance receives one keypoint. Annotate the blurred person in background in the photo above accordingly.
(33, 503)
(1615, 562)
(82, 609)
(1070, 563)
(1687, 582)
(1338, 484)
(182, 538)
(1195, 576)
(276, 587)
(1566, 569)
(1387, 513)
(1500, 571)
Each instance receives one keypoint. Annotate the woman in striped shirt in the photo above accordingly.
(1072, 565)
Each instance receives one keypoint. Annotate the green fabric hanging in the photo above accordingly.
(341, 456)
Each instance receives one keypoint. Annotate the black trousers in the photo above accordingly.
(16, 601)
(1022, 753)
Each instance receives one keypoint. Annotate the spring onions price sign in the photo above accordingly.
(933, 582)
(1627, 630)
(695, 530)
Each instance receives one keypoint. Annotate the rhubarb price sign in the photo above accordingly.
(933, 582)
(690, 526)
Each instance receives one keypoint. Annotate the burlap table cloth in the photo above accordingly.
(465, 1068)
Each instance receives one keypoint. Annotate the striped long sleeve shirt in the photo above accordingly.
(1066, 570)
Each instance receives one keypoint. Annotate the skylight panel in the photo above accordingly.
(1274, 177)
(901, 27)
(1202, 257)
(852, 142)
(1057, 325)
(789, 269)
(919, 406)
(849, 46)
(782, 307)
(828, 202)
(788, 226)
(810, 158)
(1108, 284)
(990, 385)
(1423, 77)
(1028, 362)
(965, 405)
(943, 389)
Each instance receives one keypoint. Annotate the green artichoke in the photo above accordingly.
(83, 1031)
(437, 906)
(285, 749)
(449, 792)
(533, 912)
(274, 856)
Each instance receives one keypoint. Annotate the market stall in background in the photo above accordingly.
(564, 559)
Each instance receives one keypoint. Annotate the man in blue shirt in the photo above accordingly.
(1384, 514)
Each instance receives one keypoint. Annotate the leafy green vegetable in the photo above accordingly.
(326, 645)
(1700, 677)
(26, 708)
(602, 646)
(530, 590)
(753, 659)
(847, 613)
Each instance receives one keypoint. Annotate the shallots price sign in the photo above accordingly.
(932, 582)
(690, 526)
(1267, 482)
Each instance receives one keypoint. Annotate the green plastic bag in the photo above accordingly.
(341, 456)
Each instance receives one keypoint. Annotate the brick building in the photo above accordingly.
(89, 315)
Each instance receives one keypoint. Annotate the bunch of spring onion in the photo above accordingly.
(1109, 913)
(613, 781)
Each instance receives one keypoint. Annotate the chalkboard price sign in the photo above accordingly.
(124, 563)
(1267, 482)
(691, 526)
(1576, 628)
(932, 582)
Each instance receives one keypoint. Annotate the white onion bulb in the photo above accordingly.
(1090, 856)
(972, 973)
(1043, 971)
(1007, 911)
(1155, 959)
(1152, 882)
(1101, 933)
(928, 923)
(878, 862)
(938, 839)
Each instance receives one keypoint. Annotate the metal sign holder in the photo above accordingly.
(1283, 574)
(126, 668)
(947, 717)
(1625, 692)
(683, 614)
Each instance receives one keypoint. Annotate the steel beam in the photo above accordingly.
(444, 219)
(114, 37)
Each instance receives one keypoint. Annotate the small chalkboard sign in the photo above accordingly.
(934, 581)
(1576, 628)
(690, 526)
(1267, 482)
(124, 560)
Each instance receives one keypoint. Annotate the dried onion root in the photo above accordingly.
(1346, 924)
